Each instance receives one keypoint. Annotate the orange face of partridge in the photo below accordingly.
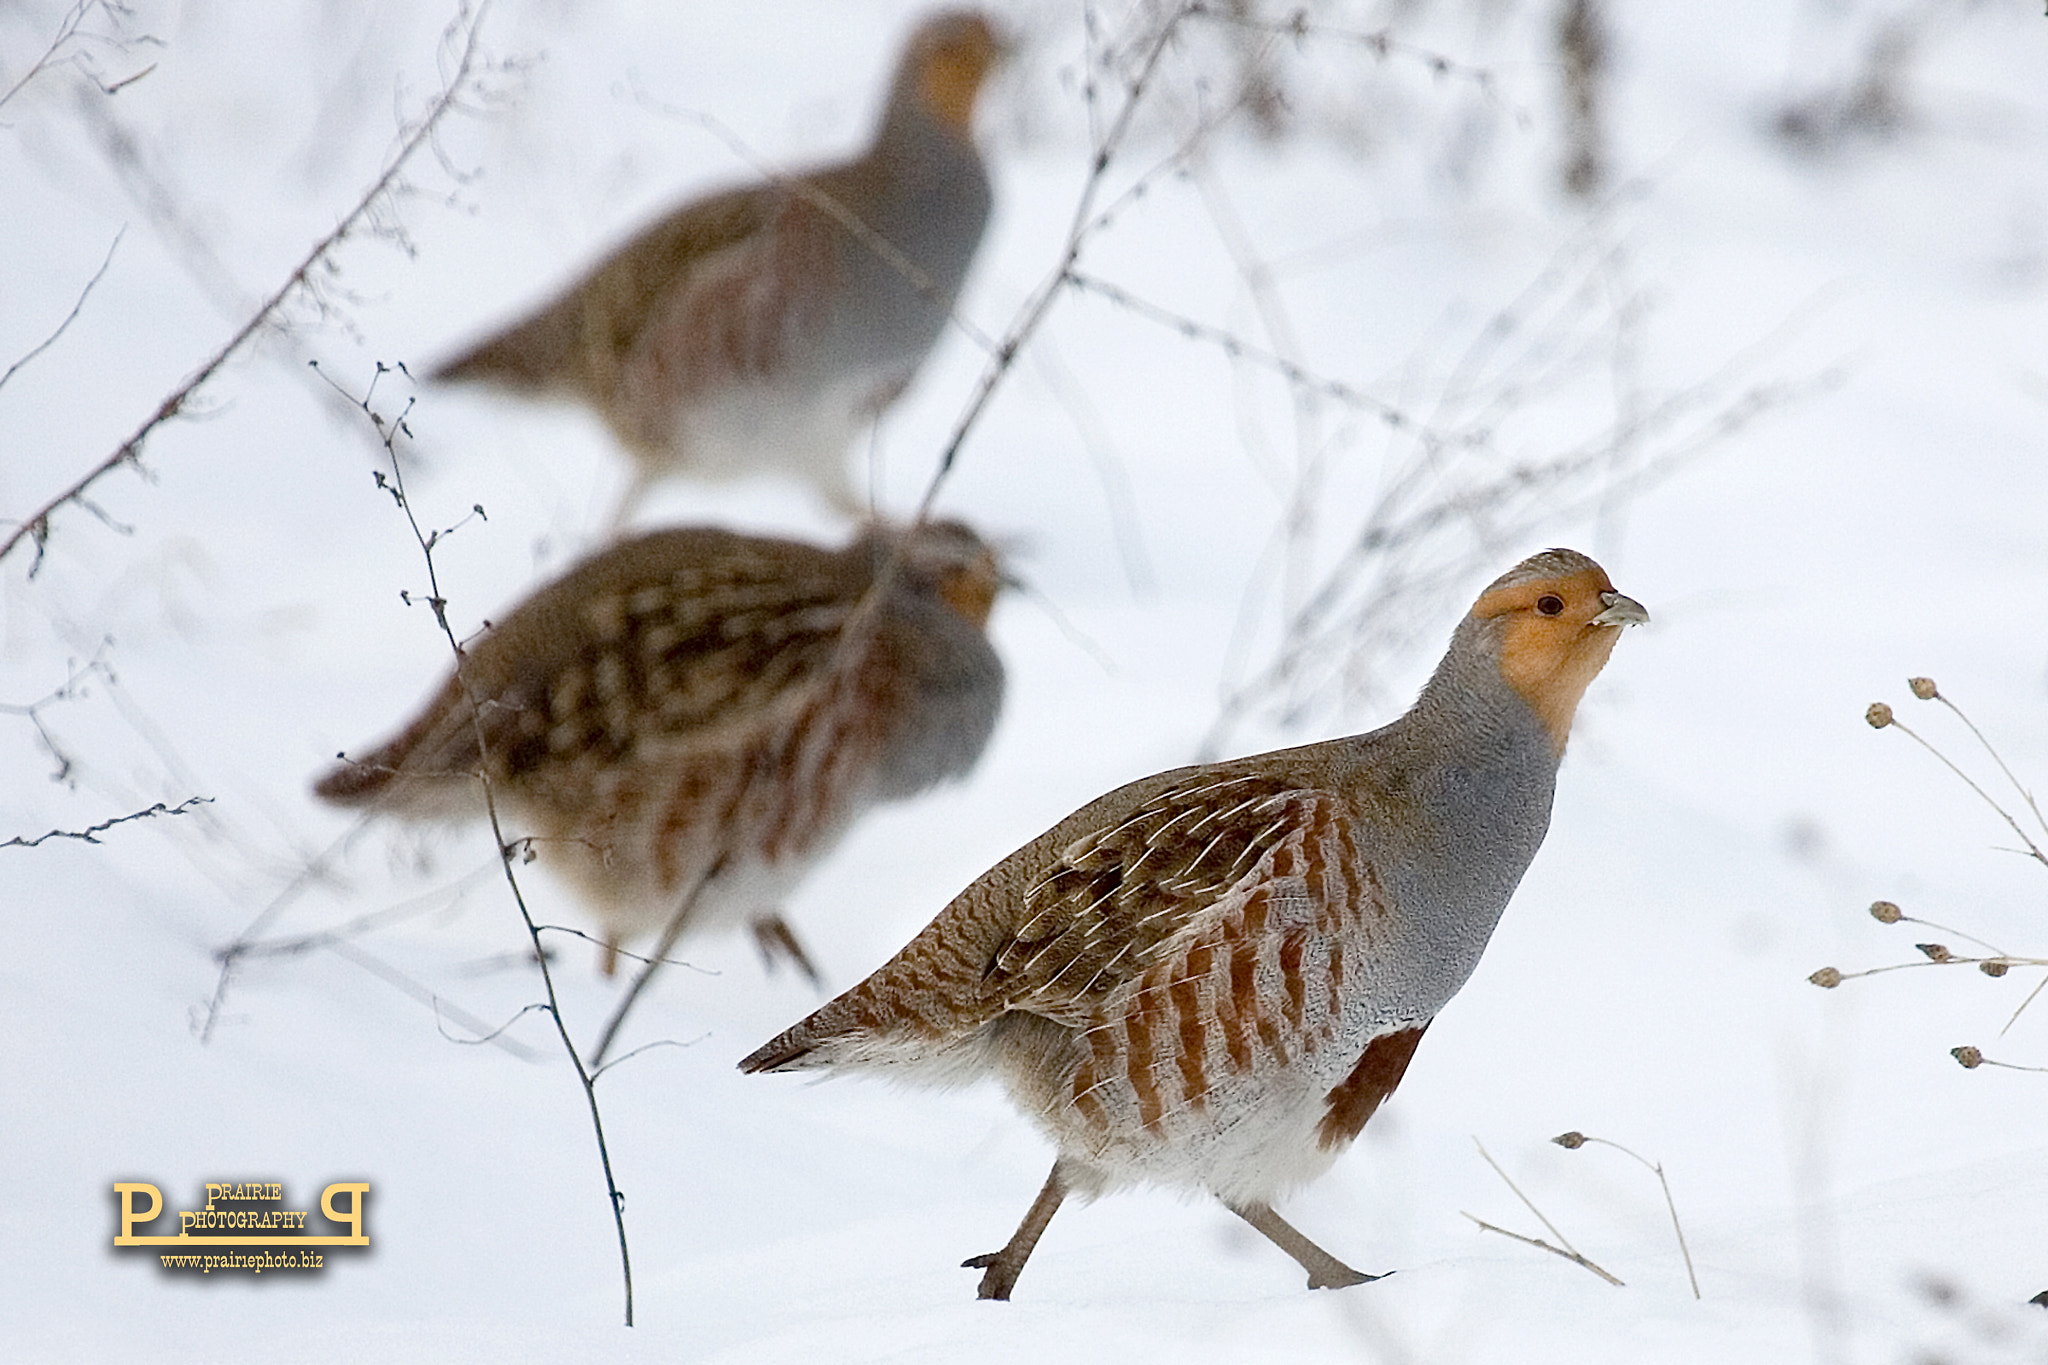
(971, 590)
(954, 54)
(1556, 634)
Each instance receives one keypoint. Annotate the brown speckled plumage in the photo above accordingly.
(766, 325)
(1212, 977)
(692, 716)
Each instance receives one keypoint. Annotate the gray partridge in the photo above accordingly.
(685, 721)
(1211, 978)
(768, 324)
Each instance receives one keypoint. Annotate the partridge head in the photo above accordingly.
(765, 326)
(1210, 978)
(687, 720)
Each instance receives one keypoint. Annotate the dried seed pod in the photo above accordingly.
(1993, 968)
(1970, 1057)
(1936, 952)
(1884, 912)
(1923, 688)
(1827, 978)
(1879, 715)
(1571, 1141)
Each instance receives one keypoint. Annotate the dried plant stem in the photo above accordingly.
(1574, 1257)
(1085, 221)
(77, 305)
(1574, 1140)
(468, 22)
(1237, 348)
(90, 833)
(1997, 758)
(1380, 42)
(68, 28)
(1997, 960)
(585, 1075)
(2033, 849)
(650, 965)
(1971, 1059)
(1563, 1248)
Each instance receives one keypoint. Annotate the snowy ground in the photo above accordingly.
(234, 618)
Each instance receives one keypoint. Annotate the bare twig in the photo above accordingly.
(651, 964)
(91, 832)
(376, 966)
(1970, 1058)
(1994, 961)
(69, 317)
(467, 25)
(1301, 378)
(646, 1047)
(1574, 1140)
(1564, 1247)
(1086, 220)
(1881, 717)
(1381, 42)
(64, 691)
(1574, 1257)
(72, 34)
(391, 430)
(617, 951)
(483, 1036)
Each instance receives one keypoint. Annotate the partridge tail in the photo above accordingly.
(927, 1014)
(878, 1024)
(416, 773)
(832, 1035)
(535, 355)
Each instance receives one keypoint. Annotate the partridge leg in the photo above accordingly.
(1324, 1270)
(778, 943)
(1001, 1268)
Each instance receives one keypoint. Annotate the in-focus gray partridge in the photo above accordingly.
(1211, 978)
(767, 325)
(687, 720)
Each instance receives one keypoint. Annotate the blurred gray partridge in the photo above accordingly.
(685, 721)
(1211, 978)
(769, 324)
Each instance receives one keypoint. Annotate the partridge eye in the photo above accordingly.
(1550, 604)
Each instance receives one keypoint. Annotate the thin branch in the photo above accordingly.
(617, 951)
(1970, 1059)
(1564, 1247)
(646, 1047)
(1827, 978)
(1892, 722)
(1237, 348)
(90, 832)
(384, 971)
(427, 541)
(1574, 1257)
(69, 28)
(1574, 1140)
(469, 23)
(71, 316)
(2032, 995)
(1380, 42)
(1085, 220)
(485, 1037)
(1527, 1202)
(651, 964)
(1989, 748)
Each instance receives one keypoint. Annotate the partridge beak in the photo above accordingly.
(1617, 610)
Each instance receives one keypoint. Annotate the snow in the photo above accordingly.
(233, 618)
